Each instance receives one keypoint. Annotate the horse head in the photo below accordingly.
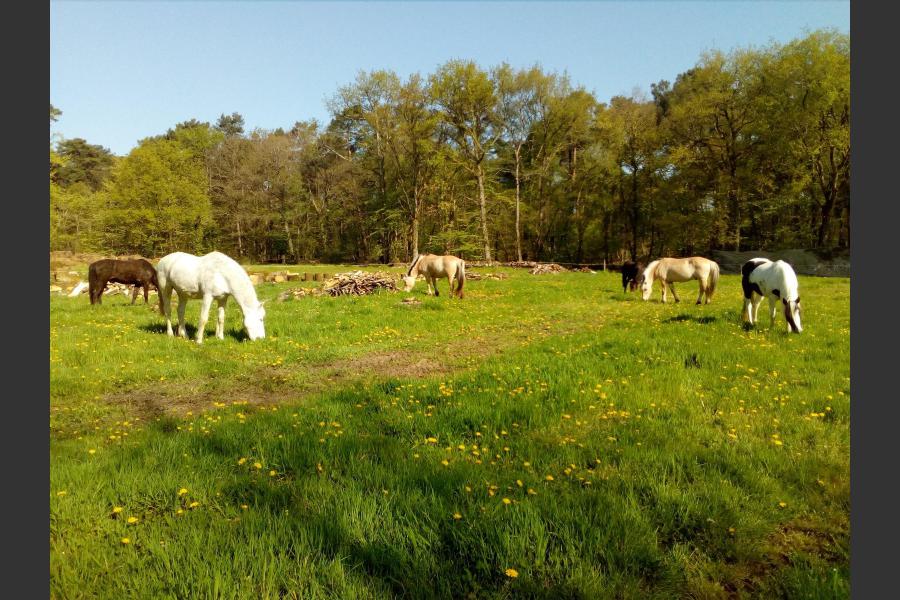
(409, 283)
(253, 322)
(792, 314)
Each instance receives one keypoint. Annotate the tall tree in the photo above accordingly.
(467, 98)
(85, 163)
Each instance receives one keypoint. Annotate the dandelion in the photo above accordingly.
(92, 451)
(519, 482)
(117, 509)
(132, 520)
(194, 504)
(244, 507)
(531, 492)
(182, 491)
(511, 573)
(549, 477)
(272, 473)
(457, 516)
(61, 493)
(445, 463)
(782, 504)
(257, 465)
(242, 461)
(507, 501)
(126, 541)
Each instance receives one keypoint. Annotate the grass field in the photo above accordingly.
(546, 437)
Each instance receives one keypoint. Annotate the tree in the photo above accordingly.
(157, 201)
(467, 98)
(231, 125)
(55, 113)
(85, 163)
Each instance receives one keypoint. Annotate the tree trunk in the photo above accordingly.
(415, 234)
(482, 202)
(240, 238)
(290, 240)
(518, 227)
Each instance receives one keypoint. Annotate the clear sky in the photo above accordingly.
(121, 71)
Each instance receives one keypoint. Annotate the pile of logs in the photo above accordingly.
(359, 283)
(295, 293)
(584, 270)
(258, 277)
(82, 288)
(543, 269)
(473, 276)
(522, 264)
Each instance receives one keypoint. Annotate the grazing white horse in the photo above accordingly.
(432, 267)
(674, 270)
(760, 277)
(213, 276)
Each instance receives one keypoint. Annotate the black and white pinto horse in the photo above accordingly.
(761, 277)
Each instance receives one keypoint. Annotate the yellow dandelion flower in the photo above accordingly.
(117, 509)
(272, 473)
(457, 516)
(132, 520)
(549, 478)
(257, 465)
(445, 463)
(61, 493)
(242, 461)
(179, 511)
(244, 507)
(194, 504)
(182, 491)
(126, 541)
(519, 482)
(507, 501)
(511, 573)
(531, 492)
(782, 504)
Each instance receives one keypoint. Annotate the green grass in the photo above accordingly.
(374, 424)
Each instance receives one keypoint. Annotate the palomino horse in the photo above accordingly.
(213, 276)
(630, 275)
(137, 272)
(760, 277)
(674, 270)
(432, 267)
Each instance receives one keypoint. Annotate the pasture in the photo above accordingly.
(547, 436)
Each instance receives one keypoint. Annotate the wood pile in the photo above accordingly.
(294, 293)
(584, 270)
(522, 264)
(544, 269)
(359, 283)
(473, 276)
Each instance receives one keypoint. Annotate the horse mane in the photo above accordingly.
(413, 264)
(650, 269)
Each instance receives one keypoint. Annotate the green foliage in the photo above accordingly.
(157, 202)
(746, 150)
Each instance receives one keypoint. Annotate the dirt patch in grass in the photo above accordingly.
(273, 385)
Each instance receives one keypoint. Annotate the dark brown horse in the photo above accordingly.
(137, 272)
(631, 272)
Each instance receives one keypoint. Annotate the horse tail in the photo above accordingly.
(713, 280)
(460, 278)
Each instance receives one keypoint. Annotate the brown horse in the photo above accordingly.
(631, 273)
(137, 272)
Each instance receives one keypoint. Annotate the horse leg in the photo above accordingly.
(674, 293)
(434, 285)
(665, 289)
(220, 320)
(165, 298)
(450, 284)
(773, 306)
(134, 293)
(746, 312)
(702, 291)
(146, 287)
(182, 305)
(205, 305)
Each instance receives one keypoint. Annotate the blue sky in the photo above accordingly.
(121, 71)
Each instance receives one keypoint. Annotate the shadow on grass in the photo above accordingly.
(160, 328)
(684, 317)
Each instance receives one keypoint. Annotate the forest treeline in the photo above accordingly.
(747, 150)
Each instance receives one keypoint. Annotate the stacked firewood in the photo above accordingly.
(359, 283)
(475, 276)
(522, 264)
(544, 269)
(584, 270)
(299, 292)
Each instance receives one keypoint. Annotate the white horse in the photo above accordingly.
(432, 267)
(760, 277)
(213, 276)
(674, 270)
